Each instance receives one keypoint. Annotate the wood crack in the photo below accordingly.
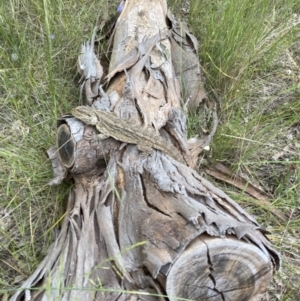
(147, 201)
(210, 275)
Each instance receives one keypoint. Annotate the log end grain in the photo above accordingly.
(219, 269)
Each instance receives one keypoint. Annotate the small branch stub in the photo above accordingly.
(66, 145)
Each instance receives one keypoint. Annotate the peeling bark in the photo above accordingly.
(138, 226)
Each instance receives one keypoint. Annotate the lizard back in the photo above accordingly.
(123, 130)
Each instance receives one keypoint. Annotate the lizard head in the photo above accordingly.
(85, 114)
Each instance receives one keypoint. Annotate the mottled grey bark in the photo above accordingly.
(138, 226)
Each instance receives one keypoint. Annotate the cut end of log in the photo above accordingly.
(66, 145)
(220, 270)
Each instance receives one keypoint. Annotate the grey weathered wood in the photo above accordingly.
(136, 224)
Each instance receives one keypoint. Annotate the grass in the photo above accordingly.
(250, 59)
(38, 56)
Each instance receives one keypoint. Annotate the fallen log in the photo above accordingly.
(141, 224)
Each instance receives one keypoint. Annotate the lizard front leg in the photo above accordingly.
(96, 137)
(146, 149)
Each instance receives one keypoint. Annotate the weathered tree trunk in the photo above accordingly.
(138, 226)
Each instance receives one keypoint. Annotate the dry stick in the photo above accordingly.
(214, 129)
(117, 22)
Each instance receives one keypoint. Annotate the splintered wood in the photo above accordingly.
(145, 227)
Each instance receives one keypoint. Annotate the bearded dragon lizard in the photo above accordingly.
(110, 125)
